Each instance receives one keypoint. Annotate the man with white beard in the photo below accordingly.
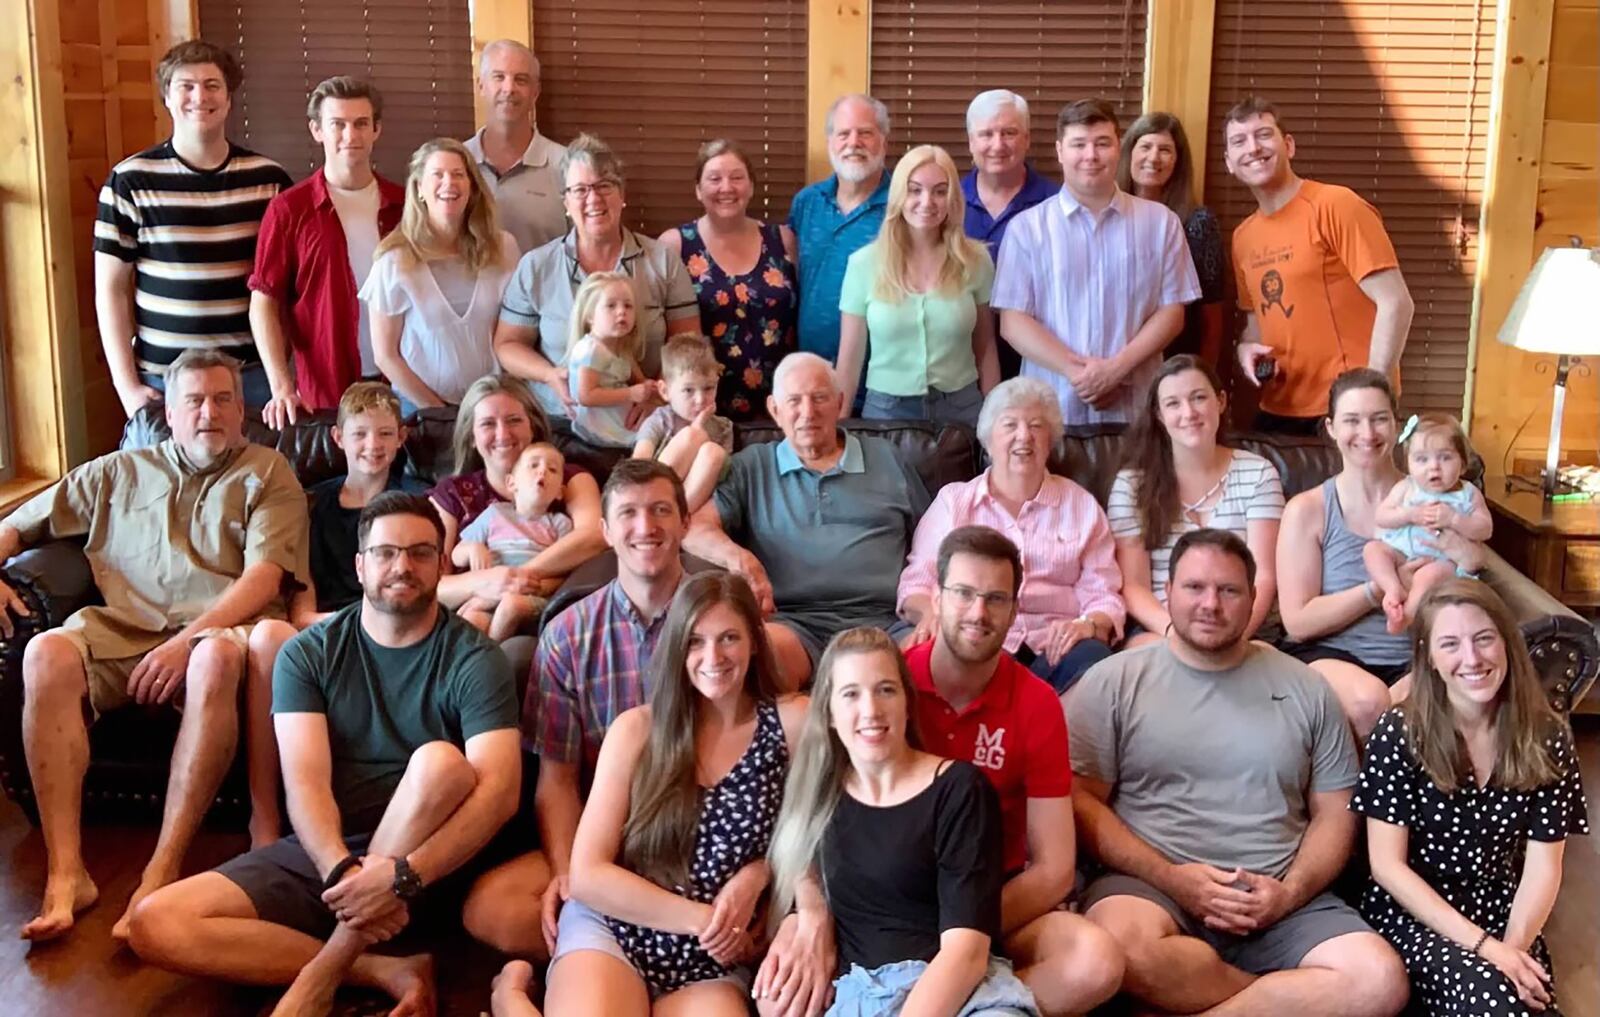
(834, 218)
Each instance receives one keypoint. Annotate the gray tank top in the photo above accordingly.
(1367, 638)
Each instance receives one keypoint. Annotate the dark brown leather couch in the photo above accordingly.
(130, 749)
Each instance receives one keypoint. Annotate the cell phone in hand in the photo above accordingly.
(1266, 369)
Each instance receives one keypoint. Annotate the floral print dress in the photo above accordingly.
(750, 318)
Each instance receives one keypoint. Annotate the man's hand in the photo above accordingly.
(1205, 891)
(10, 604)
(1248, 354)
(754, 573)
(1062, 635)
(1097, 381)
(726, 935)
(797, 974)
(555, 895)
(157, 677)
(135, 397)
(282, 410)
(1269, 901)
(364, 899)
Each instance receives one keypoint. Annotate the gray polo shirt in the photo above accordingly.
(833, 543)
(1212, 766)
(528, 196)
(547, 278)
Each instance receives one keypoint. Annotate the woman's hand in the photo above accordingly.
(726, 935)
(497, 582)
(556, 380)
(1528, 975)
(797, 975)
(1062, 635)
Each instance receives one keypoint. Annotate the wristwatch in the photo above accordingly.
(407, 884)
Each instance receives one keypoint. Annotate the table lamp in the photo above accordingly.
(1558, 311)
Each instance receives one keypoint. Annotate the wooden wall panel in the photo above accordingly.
(1550, 189)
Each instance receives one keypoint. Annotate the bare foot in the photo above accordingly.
(509, 995)
(65, 898)
(1394, 609)
(307, 997)
(147, 885)
(410, 981)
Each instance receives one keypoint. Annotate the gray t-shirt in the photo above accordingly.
(661, 426)
(1212, 766)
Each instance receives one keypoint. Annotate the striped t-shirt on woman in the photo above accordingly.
(1251, 489)
(191, 235)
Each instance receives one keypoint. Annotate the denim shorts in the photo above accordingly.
(958, 407)
(882, 992)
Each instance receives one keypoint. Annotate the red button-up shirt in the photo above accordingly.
(302, 262)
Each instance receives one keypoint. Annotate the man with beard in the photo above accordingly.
(834, 218)
(397, 723)
(974, 702)
(520, 165)
(1213, 779)
(194, 544)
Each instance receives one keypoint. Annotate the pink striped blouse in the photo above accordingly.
(1069, 558)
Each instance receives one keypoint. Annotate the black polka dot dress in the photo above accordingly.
(736, 820)
(1468, 846)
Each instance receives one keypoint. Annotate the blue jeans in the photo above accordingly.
(257, 391)
(958, 407)
(1085, 653)
(882, 992)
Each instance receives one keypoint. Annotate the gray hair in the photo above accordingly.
(986, 104)
(794, 362)
(504, 44)
(599, 156)
(1008, 395)
(199, 358)
(879, 111)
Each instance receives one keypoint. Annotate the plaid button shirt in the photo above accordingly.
(589, 669)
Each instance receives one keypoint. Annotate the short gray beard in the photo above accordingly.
(850, 174)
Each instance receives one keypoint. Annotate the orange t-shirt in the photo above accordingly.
(1298, 270)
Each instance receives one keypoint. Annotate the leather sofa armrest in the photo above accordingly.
(1565, 650)
(54, 580)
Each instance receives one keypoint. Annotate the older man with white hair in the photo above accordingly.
(819, 523)
(1002, 182)
(834, 218)
(519, 164)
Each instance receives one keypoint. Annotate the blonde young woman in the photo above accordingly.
(434, 292)
(918, 296)
(901, 846)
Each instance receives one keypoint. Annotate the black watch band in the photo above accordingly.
(407, 884)
(336, 873)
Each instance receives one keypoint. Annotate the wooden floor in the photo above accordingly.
(85, 975)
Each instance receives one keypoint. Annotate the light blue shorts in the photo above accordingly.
(882, 992)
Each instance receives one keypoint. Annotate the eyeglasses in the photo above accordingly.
(388, 554)
(993, 601)
(604, 188)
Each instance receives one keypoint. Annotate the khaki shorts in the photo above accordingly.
(108, 676)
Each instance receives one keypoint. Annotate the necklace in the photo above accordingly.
(1193, 508)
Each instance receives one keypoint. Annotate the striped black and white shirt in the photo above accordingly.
(191, 234)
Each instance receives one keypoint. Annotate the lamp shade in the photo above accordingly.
(1558, 309)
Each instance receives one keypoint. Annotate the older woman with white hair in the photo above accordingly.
(1002, 183)
(1069, 608)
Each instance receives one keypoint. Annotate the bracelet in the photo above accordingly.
(1370, 591)
(1484, 938)
(336, 873)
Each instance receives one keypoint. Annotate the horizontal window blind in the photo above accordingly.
(657, 80)
(930, 57)
(417, 52)
(1392, 101)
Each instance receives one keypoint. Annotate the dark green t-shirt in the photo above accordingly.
(384, 703)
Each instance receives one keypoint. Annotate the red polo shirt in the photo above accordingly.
(1015, 732)
(303, 263)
